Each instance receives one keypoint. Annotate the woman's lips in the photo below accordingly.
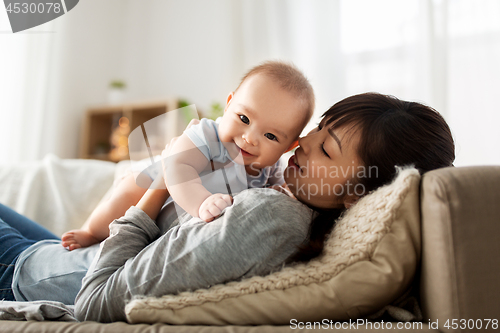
(291, 162)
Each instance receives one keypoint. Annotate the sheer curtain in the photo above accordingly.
(442, 53)
(28, 73)
(51, 74)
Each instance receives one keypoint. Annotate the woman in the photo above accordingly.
(353, 151)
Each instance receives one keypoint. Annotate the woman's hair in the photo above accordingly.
(392, 133)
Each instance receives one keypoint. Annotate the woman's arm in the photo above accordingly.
(105, 288)
(254, 236)
(152, 201)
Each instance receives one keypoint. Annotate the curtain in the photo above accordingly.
(28, 72)
(51, 74)
(443, 53)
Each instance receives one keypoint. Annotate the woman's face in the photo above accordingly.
(322, 171)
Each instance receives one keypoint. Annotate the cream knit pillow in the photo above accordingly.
(369, 260)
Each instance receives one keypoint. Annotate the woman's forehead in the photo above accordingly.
(349, 140)
(346, 131)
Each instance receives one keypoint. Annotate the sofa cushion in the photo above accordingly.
(460, 228)
(369, 260)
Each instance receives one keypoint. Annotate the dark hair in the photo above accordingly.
(290, 78)
(392, 133)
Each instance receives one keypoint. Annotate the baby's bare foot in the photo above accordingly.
(76, 239)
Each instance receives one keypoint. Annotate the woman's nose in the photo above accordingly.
(307, 142)
(304, 144)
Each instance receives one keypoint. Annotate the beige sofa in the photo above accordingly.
(459, 276)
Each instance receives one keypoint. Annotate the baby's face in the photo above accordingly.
(262, 120)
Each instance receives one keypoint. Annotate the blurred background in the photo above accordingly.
(444, 53)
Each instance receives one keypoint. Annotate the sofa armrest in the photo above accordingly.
(460, 212)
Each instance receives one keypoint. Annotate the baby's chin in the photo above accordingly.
(253, 168)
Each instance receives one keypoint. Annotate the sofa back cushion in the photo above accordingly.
(461, 249)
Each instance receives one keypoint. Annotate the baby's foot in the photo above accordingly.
(78, 238)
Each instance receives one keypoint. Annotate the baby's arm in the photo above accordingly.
(126, 194)
(183, 165)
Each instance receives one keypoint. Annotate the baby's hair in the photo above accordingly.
(290, 78)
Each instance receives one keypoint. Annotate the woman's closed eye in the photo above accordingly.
(244, 119)
(322, 148)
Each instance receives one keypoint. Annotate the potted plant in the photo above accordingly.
(116, 92)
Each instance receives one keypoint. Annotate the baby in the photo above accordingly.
(262, 119)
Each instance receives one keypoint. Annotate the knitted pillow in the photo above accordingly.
(369, 260)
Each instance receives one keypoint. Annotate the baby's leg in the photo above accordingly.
(96, 229)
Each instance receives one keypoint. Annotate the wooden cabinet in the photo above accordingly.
(105, 129)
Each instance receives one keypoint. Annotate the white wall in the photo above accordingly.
(190, 49)
(160, 48)
(89, 53)
(443, 53)
(180, 48)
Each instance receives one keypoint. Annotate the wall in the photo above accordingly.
(442, 53)
(181, 48)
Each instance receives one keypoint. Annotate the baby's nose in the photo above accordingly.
(250, 138)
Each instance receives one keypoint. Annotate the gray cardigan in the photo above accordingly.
(254, 236)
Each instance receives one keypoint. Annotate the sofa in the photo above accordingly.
(456, 282)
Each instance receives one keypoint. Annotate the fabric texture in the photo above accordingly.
(39, 311)
(254, 236)
(12, 243)
(460, 250)
(17, 233)
(58, 194)
(369, 260)
(37, 276)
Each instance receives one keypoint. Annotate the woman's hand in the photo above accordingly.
(214, 205)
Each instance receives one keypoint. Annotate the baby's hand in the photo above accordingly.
(213, 206)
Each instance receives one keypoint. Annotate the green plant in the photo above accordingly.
(183, 103)
(216, 110)
(117, 84)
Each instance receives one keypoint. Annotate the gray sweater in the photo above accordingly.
(254, 236)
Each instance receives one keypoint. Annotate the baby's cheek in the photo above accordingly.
(224, 135)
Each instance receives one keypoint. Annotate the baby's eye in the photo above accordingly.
(271, 136)
(245, 119)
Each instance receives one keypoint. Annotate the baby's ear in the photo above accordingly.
(294, 144)
(229, 99)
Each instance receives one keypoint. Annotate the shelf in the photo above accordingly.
(102, 136)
